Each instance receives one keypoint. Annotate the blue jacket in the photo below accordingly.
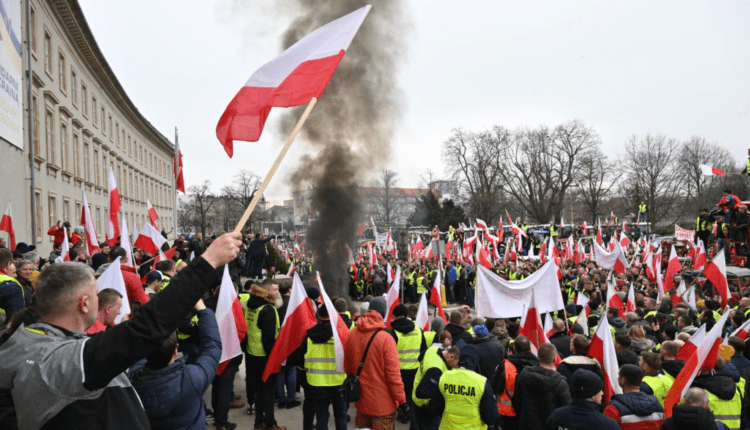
(450, 275)
(580, 415)
(173, 396)
(11, 298)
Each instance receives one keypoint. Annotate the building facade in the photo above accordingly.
(84, 126)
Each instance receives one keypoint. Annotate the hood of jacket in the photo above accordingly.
(523, 359)
(542, 380)
(722, 386)
(692, 417)
(159, 390)
(402, 325)
(731, 371)
(639, 403)
(259, 297)
(616, 322)
(320, 332)
(370, 321)
(454, 329)
(672, 367)
(469, 358)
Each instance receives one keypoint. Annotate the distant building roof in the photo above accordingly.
(396, 192)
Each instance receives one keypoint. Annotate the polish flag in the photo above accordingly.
(125, 241)
(341, 330)
(700, 256)
(419, 245)
(483, 258)
(435, 298)
(599, 235)
(231, 321)
(624, 241)
(65, 252)
(392, 297)
(150, 240)
(742, 330)
(516, 229)
(542, 252)
(6, 224)
(691, 298)
(179, 178)
(113, 226)
(716, 272)
(299, 318)
(704, 357)
(291, 270)
(691, 345)
(613, 299)
(152, 214)
(531, 326)
(653, 266)
(291, 79)
(548, 330)
(711, 170)
(88, 225)
(673, 268)
(423, 316)
(585, 229)
(630, 305)
(481, 225)
(625, 227)
(583, 301)
(112, 278)
(602, 349)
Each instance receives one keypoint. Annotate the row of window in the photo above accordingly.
(134, 220)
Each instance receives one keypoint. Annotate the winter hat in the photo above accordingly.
(671, 332)
(481, 330)
(378, 304)
(97, 260)
(585, 383)
(312, 293)
(437, 324)
(340, 305)
(400, 311)
(570, 308)
(469, 358)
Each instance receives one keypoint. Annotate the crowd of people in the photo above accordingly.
(71, 358)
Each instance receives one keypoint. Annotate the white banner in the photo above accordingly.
(381, 239)
(682, 234)
(498, 298)
(11, 72)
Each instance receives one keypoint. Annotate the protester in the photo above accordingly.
(504, 383)
(411, 346)
(634, 410)
(12, 294)
(110, 304)
(491, 351)
(693, 413)
(579, 347)
(582, 414)
(540, 390)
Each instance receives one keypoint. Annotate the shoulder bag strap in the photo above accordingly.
(362, 363)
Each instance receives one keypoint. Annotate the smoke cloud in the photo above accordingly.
(350, 130)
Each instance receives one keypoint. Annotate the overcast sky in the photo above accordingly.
(680, 68)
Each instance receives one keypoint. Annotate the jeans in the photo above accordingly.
(287, 377)
(221, 391)
(721, 243)
(322, 413)
(256, 266)
(470, 295)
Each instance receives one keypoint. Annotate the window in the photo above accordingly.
(96, 167)
(66, 209)
(49, 137)
(64, 146)
(104, 121)
(109, 121)
(47, 52)
(39, 212)
(130, 147)
(84, 100)
(52, 208)
(105, 177)
(61, 72)
(35, 110)
(86, 161)
(32, 26)
(117, 134)
(98, 221)
(74, 87)
(76, 155)
(94, 115)
(78, 208)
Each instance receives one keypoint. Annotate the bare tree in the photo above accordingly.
(540, 165)
(241, 193)
(202, 201)
(695, 152)
(652, 176)
(472, 159)
(384, 200)
(594, 179)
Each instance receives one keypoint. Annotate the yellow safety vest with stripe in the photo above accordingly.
(552, 231)
(165, 281)
(748, 167)
(244, 297)
(462, 390)
(717, 316)
(431, 359)
(420, 285)
(650, 314)
(254, 334)
(642, 208)
(660, 385)
(512, 276)
(429, 338)
(3, 279)
(349, 314)
(408, 348)
(320, 362)
(727, 411)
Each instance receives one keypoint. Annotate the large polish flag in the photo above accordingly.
(392, 297)
(179, 178)
(531, 326)
(423, 316)
(291, 79)
(692, 344)
(299, 318)
(231, 321)
(152, 214)
(602, 349)
(716, 272)
(112, 278)
(703, 357)
(742, 330)
(673, 268)
(6, 224)
(435, 298)
(711, 170)
(150, 240)
(88, 224)
(340, 332)
(113, 226)
(125, 241)
(65, 252)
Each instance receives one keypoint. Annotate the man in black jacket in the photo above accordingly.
(560, 338)
(503, 383)
(582, 413)
(65, 372)
(256, 255)
(540, 390)
(579, 347)
(454, 328)
(491, 352)
(693, 413)
(407, 336)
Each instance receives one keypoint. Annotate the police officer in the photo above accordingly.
(440, 360)
(703, 227)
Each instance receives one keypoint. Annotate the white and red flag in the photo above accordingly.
(516, 229)
(583, 320)
(435, 297)
(152, 214)
(423, 316)
(231, 321)
(531, 326)
(113, 226)
(392, 297)
(742, 330)
(481, 225)
(703, 358)
(691, 345)
(701, 259)
(338, 326)
(299, 318)
(291, 79)
(711, 170)
(125, 242)
(548, 325)
(150, 240)
(112, 278)
(6, 224)
(613, 299)
(92, 243)
(614, 260)
(673, 268)
(65, 251)
(630, 305)
(602, 349)
(599, 234)
(585, 229)
(716, 272)
(179, 178)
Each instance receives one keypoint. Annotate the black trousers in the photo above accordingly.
(264, 391)
(221, 391)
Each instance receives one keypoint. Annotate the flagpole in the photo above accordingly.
(175, 161)
(275, 166)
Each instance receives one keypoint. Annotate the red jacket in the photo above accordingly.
(380, 380)
(133, 286)
(57, 233)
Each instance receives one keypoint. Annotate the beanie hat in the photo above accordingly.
(437, 324)
(481, 330)
(400, 311)
(585, 383)
(340, 305)
(469, 358)
(378, 304)
(570, 308)
(312, 293)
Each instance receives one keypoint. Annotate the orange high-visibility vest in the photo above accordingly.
(504, 405)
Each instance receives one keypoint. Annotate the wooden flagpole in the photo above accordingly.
(275, 166)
